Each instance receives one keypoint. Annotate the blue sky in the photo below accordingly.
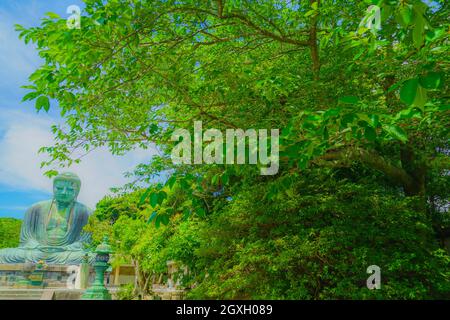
(23, 131)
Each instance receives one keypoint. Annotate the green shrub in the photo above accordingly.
(9, 232)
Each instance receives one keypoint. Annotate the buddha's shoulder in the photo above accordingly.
(41, 204)
(83, 208)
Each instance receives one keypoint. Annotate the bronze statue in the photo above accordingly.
(52, 231)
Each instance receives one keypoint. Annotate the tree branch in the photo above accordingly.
(371, 159)
(313, 43)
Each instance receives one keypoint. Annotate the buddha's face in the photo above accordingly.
(65, 191)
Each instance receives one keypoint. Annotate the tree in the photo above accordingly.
(137, 241)
(10, 232)
(360, 105)
(153, 66)
(314, 240)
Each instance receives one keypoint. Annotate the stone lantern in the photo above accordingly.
(98, 290)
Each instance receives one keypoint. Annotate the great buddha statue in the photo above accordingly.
(52, 231)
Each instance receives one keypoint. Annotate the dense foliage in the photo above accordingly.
(364, 119)
(9, 232)
(314, 241)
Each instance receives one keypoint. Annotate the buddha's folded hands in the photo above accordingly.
(76, 246)
(30, 244)
(50, 249)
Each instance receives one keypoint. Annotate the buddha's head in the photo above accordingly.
(66, 187)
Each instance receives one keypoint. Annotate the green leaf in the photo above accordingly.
(397, 132)
(445, 107)
(409, 114)
(408, 91)
(346, 119)
(421, 97)
(364, 117)
(418, 31)
(374, 120)
(52, 15)
(29, 87)
(171, 181)
(102, 21)
(225, 178)
(152, 216)
(165, 219)
(349, 99)
(30, 96)
(331, 113)
(201, 212)
(215, 179)
(433, 80)
(35, 75)
(69, 96)
(154, 199)
(303, 163)
(405, 14)
(157, 221)
(370, 133)
(161, 196)
(144, 196)
(43, 102)
(432, 35)
(310, 12)
(51, 173)
(186, 213)
(18, 27)
(359, 54)
(394, 87)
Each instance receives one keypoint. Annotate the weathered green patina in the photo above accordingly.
(52, 231)
(98, 291)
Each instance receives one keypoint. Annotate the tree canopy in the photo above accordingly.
(363, 114)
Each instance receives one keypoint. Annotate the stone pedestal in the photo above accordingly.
(53, 282)
(24, 276)
(82, 281)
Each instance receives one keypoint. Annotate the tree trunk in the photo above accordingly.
(415, 169)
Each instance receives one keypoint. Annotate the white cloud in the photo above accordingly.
(22, 136)
(18, 60)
